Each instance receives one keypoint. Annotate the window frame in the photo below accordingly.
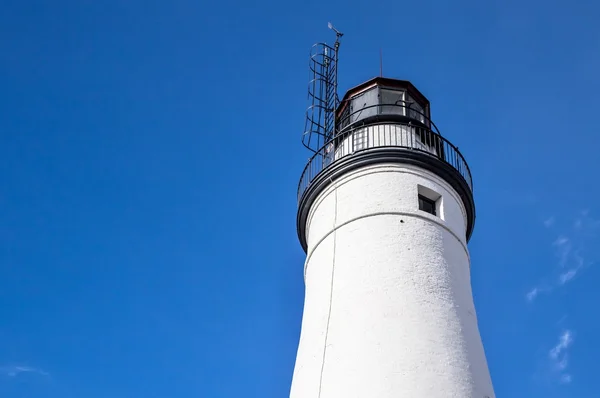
(399, 106)
(432, 204)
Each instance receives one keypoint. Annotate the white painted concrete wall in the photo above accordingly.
(388, 311)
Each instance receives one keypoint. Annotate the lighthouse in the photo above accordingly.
(385, 212)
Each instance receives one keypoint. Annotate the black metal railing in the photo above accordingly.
(354, 114)
(373, 131)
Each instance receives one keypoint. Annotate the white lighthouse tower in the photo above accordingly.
(385, 213)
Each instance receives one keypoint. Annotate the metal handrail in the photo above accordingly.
(407, 134)
(406, 109)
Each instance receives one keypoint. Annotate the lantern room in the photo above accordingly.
(383, 99)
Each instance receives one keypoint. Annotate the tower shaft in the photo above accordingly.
(388, 310)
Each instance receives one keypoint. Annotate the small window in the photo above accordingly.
(430, 201)
(427, 205)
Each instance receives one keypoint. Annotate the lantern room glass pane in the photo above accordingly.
(415, 110)
(393, 102)
(363, 105)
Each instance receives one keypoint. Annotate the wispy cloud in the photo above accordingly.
(532, 294)
(564, 342)
(566, 379)
(559, 358)
(575, 264)
(563, 249)
(574, 247)
(567, 276)
(16, 370)
(574, 251)
(561, 241)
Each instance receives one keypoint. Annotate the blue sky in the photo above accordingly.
(149, 157)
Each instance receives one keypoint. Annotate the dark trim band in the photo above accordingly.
(384, 155)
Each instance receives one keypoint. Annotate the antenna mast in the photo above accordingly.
(322, 94)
